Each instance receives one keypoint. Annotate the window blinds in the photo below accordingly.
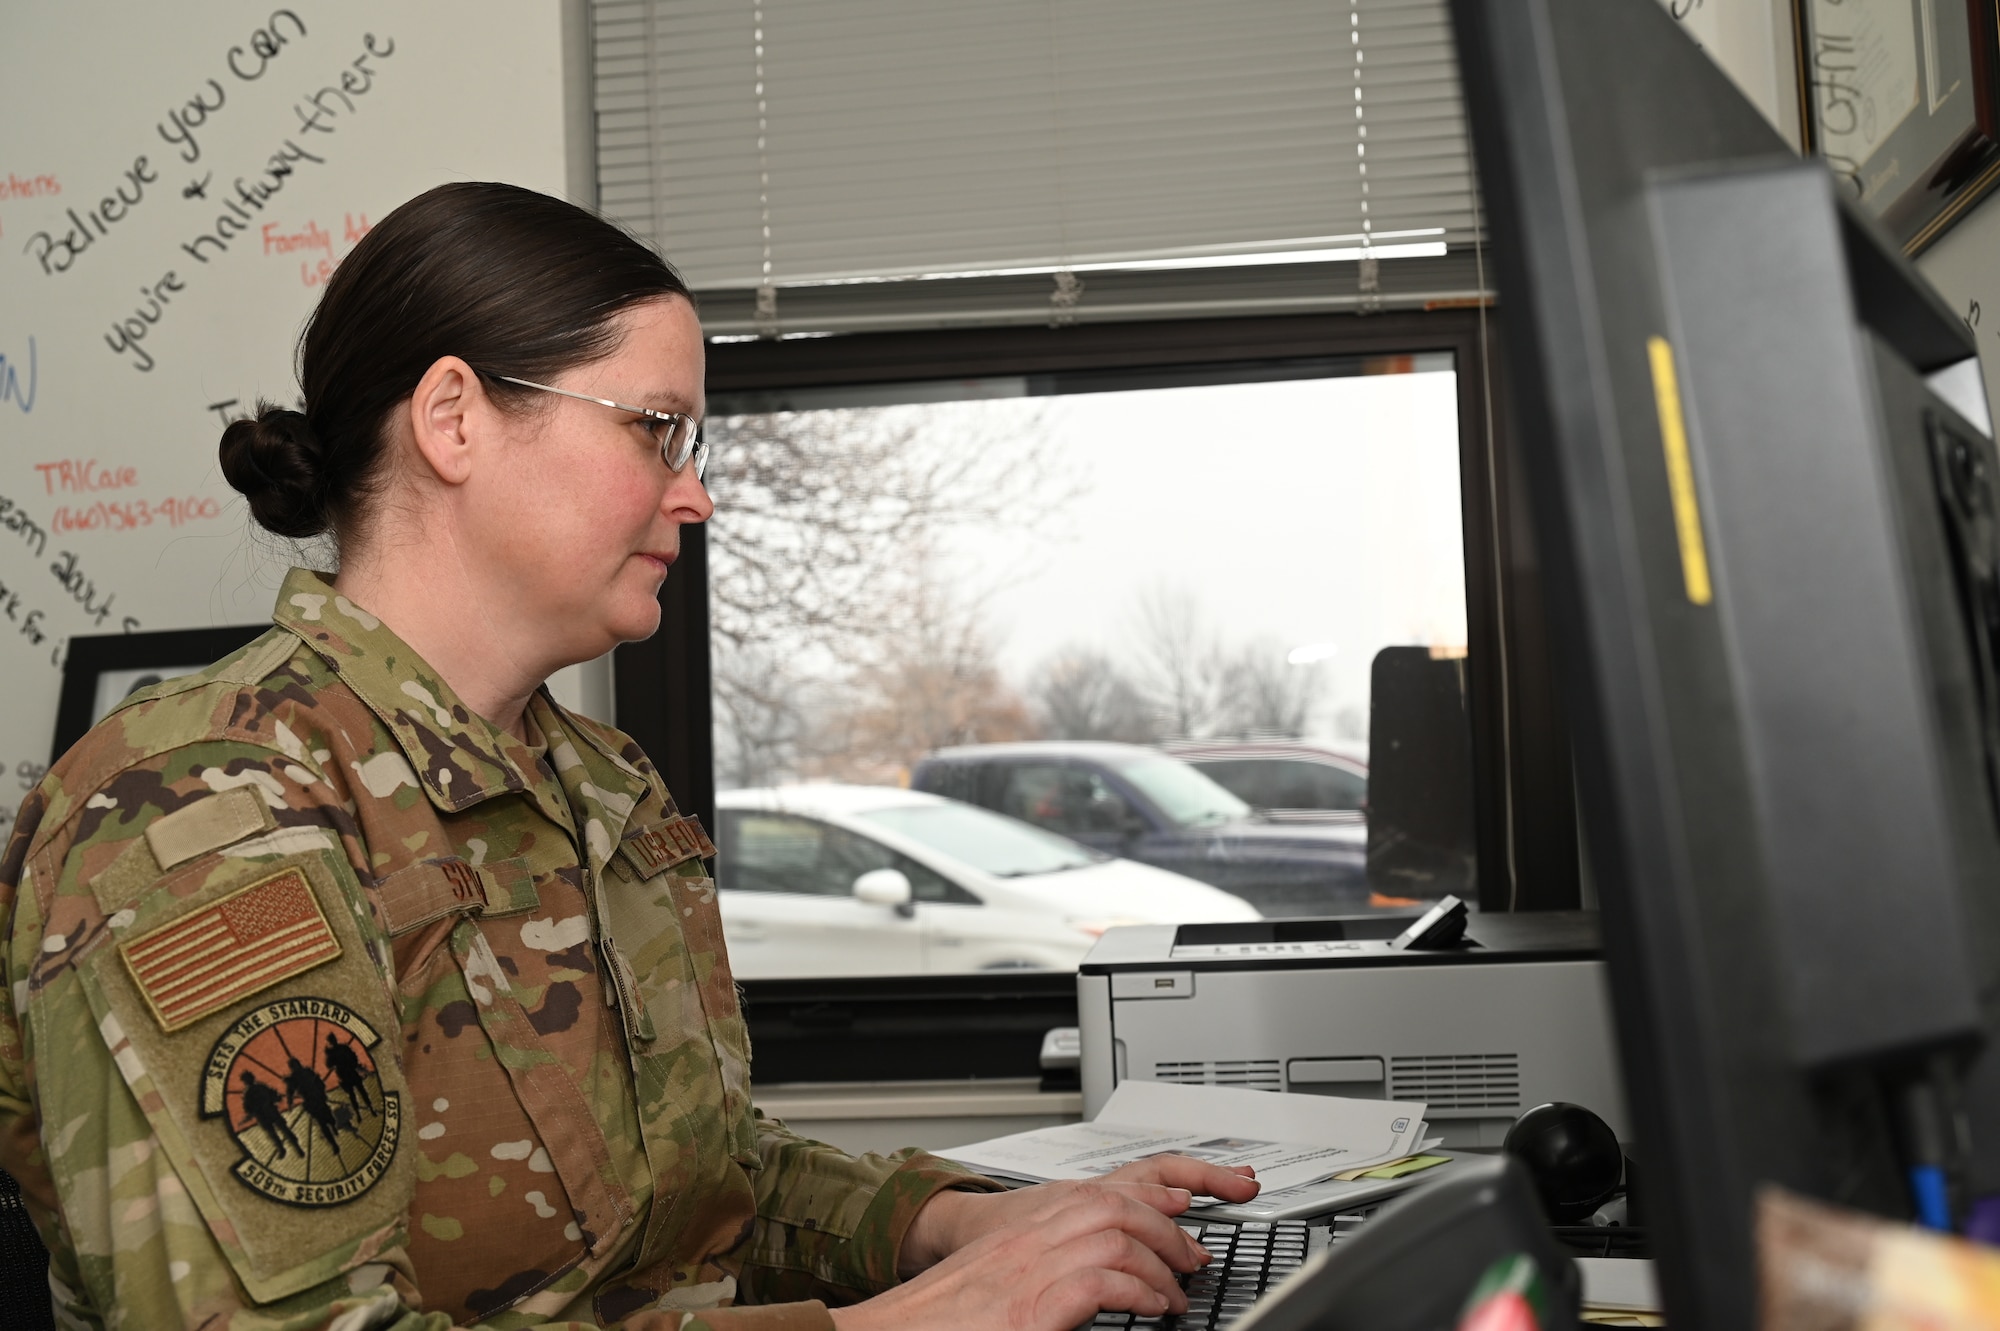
(825, 151)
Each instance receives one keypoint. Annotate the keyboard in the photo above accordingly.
(1249, 1259)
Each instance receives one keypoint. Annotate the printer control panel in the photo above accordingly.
(1272, 951)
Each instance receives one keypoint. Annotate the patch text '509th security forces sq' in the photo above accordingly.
(297, 1084)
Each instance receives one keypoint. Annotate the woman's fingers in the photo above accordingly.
(1112, 1251)
(1081, 1295)
(1048, 1199)
(1231, 1183)
(1079, 1248)
(1112, 1209)
(1151, 1203)
(1125, 1278)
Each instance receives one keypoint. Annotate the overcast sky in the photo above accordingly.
(1318, 511)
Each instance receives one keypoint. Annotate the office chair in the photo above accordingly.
(24, 1265)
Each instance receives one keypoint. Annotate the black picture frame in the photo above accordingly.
(123, 660)
(1935, 79)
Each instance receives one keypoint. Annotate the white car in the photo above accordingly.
(870, 880)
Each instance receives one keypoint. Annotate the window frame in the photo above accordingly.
(1523, 791)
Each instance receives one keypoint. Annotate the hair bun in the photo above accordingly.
(273, 460)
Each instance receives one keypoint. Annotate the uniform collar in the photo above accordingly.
(458, 757)
(601, 786)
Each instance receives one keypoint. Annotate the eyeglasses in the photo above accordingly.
(677, 434)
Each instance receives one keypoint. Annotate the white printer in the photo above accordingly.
(1514, 1016)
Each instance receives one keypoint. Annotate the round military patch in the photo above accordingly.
(297, 1086)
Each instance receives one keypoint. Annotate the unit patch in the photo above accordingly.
(241, 945)
(298, 1087)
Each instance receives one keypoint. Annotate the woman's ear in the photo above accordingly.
(442, 416)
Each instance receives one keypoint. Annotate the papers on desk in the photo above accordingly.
(1291, 1140)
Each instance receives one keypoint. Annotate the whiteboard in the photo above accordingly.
(176, 182)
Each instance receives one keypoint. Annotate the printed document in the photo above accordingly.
(1289, 1139)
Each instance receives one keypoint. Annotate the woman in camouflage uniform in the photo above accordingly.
(353, 982)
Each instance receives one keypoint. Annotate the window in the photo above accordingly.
(1184, 796)
(1070, 800)
(1002, 847)
(1010, 610)
(1288, 783)
(777, 852)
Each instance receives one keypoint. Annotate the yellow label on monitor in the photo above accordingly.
(1680, 472)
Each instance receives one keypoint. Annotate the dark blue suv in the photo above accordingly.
(1148, 806)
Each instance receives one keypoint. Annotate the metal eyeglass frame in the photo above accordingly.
(680, 425)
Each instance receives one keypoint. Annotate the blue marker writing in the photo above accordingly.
(10, 380)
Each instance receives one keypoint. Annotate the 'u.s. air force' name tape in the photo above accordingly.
(663, 845)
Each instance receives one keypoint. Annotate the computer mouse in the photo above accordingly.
(1572, 1155)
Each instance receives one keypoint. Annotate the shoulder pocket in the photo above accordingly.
(245, 1006)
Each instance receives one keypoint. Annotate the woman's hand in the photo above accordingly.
(1166, 1183)
(1052, 1255)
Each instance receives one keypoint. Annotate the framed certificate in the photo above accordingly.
(1902, 99)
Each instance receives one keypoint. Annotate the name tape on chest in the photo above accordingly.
(420, 893)
(663, 845)
(241, 945)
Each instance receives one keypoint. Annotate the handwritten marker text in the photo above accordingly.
(84, 476)
(57, 254)
(28, 187)
(10, 381)
(277, 240)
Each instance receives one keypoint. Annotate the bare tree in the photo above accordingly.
(1179, 662)
(1264, 696)
(1198, 686)
(761, 717)
(1082, 694)
(817, 556)
(937, 685)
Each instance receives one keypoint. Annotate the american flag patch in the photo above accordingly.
(244, 943)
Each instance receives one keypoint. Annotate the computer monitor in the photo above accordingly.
(1760, 469)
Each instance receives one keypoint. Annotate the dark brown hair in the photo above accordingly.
(513, 282)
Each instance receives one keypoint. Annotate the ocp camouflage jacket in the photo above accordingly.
(330, 1005)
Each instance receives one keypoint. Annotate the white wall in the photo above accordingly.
(1964, 265)
(126, 337)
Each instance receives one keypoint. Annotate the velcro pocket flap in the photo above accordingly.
(510, 887)
(208, 824)
(282, 1106)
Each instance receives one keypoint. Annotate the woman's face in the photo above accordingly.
(585, 518)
